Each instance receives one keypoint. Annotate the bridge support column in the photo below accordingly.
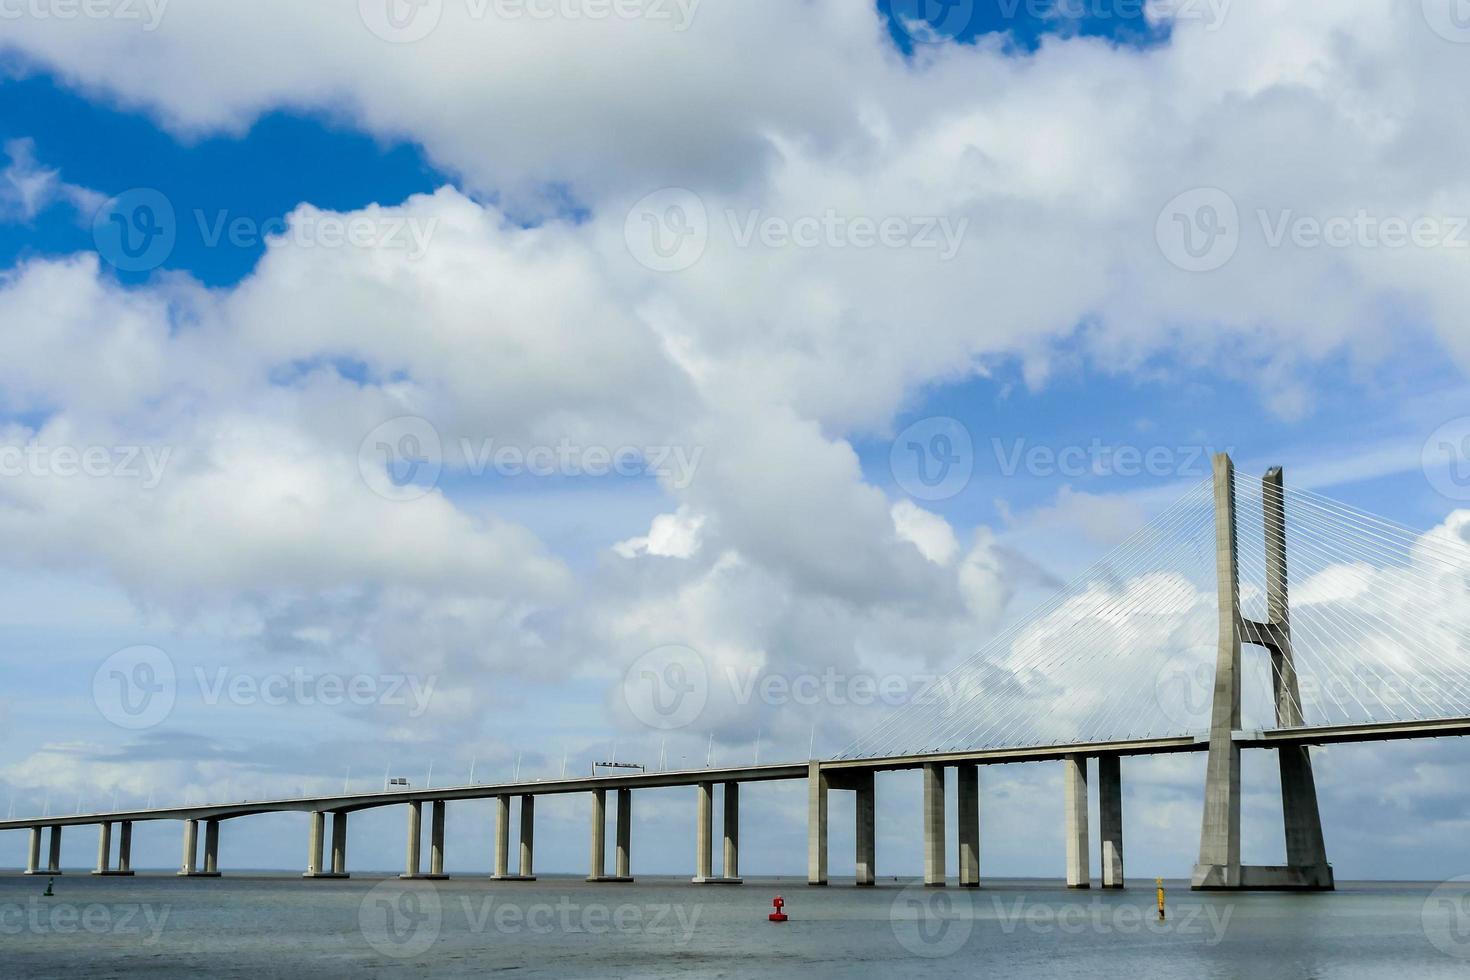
(502, 840)
(1306, 851)
(413, 862)
(314, 846)
(315, 867)
(816, 825)
(934, 870)
(339, 845)
(104, 849)
(599, 836)
(528, 838)
(33, 855)
(704, 833)
(967, 785)
(436, 840)
(1079, 870)
(598, 871)
(413, 866)
(125, 849)
(730, 868)
(1110, 816)
(625, 835)
(211, 848)
(1219, 866)
(189, 866)
(865, 839)
(53, 857)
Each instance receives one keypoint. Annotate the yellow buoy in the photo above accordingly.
(1161, 897)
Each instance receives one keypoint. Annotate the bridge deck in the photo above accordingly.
(347, 803)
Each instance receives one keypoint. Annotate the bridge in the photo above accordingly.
(1372, 649)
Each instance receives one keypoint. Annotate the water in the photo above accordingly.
(265, 926)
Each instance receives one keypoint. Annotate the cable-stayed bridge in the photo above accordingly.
(1249, 615)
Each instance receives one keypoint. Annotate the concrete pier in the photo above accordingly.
(967, 788)
(339, 845)
(314, 846)
(33, 854)
(436, 840)
(315, 867)
(211, 848)
(625, 835)
(730, 868)
(933, 815)
(598, 871)
(1079, 872)
(191, 848)
(413, 862)
(816, 825)
(703, 833)
(528, 838)
(105, 869)
(125, 849)
(104, 849)
(53, 858)
(189, 868)
(1306, 851)
(413, 866)
(1110, 819)
(502, 838)
(865, 843)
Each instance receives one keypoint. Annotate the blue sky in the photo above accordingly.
(1061, 325)
(285, 159)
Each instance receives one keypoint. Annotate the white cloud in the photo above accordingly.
(671, 536)
(27, 188)
(1050, 167)
(928, 532)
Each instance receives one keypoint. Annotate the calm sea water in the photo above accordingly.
(265, 926)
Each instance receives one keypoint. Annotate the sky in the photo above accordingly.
(472, 356)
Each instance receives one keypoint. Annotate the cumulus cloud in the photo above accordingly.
(1036, 156)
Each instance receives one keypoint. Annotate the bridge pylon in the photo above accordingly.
(1219, 866)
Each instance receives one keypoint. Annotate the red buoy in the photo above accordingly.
(778, 915)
